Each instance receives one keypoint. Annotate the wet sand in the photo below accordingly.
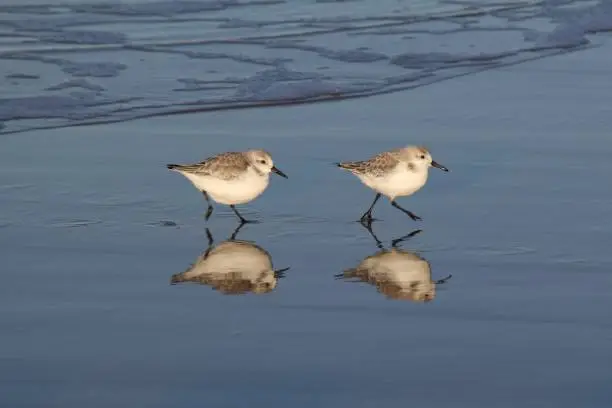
(93, 227)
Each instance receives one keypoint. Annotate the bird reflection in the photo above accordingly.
(396, 273)
(233, 267)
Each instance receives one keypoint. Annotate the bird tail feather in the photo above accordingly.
(177, 278)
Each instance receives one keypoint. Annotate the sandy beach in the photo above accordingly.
(93, 226)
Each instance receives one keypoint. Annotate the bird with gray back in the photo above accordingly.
(230, 178)
(395, 173)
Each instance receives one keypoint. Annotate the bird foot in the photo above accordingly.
(245, 221)
(367, 219)
(415, 217)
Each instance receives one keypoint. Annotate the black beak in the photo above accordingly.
(441, 281)
(280, 173)
(280, 273)
(438, 165)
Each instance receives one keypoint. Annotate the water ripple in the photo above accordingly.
(146, 55)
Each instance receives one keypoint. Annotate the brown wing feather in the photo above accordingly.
(225, 166)
(376, 166)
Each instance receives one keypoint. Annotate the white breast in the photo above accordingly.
(399, 266)
(410, 274)
(397, 183)
(232, 257)
(239, 190)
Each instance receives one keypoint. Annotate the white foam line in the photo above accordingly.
(270, 103)
(395, 21)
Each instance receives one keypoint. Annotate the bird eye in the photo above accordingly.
(262, 161)
(422, 156)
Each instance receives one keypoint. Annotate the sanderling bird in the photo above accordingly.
(230, 178)
(233, 267)
(397, 274)
(395, 173)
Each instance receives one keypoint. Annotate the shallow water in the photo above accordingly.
(93, 227)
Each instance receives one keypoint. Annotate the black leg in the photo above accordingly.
(410, 213)
(209, 210)
(367, 216)
(235, 234)
(368, 227)
(210, 243)
(394, 242)
(242, 219)
(406, 237)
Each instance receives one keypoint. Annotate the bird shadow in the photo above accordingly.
(394, 242)
(396, 273)
(232, 267)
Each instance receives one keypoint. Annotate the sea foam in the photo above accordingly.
(101, 62)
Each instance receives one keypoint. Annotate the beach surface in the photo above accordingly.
(93, 227)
